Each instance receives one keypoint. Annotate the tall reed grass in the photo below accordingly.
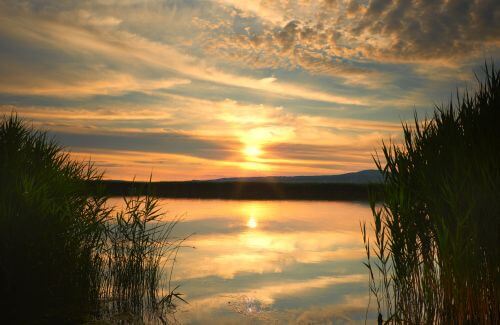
(435, 258)
(134, 263)
(65, 256)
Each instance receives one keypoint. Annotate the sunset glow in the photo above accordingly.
(233, 88)
(252, 152)
(252, 223)
(245, 161)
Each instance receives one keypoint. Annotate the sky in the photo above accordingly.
(202, 89)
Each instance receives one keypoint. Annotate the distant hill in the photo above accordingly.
(350, 186)
(361, 177)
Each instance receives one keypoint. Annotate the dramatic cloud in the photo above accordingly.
(146, 142)
(332, 31)
(205, 89)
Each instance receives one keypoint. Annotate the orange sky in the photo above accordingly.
(219, 88)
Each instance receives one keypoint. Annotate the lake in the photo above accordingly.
(270, 261)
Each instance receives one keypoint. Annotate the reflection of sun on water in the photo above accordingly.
(253, 211)
(252, 222)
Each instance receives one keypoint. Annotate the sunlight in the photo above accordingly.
(253, 166)
(254, 142)
(252, 155)
(252, 223)
(252, 151)
(254, 211)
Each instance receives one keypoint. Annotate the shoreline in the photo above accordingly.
(241, 190)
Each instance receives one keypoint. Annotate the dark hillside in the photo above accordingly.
(243, 190)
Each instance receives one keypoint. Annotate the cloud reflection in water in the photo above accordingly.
(271, 261)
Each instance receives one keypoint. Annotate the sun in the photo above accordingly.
(253, 158)
(252, 151)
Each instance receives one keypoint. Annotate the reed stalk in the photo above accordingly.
(65, 256)
(437, 231)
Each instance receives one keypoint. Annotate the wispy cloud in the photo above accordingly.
(312, 87)
(131, 51)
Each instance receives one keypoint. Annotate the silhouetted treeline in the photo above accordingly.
(242, 190)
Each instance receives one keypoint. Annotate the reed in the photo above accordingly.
(139, 248)
(65, 256)
(435, 258)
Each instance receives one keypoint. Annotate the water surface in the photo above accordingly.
(270, 261)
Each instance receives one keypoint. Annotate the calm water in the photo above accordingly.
(271, 261)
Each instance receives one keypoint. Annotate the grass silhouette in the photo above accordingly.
(435, 258)
(66, 257)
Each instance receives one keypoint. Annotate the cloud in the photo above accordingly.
(430, 30)
(93, 81)
(313, 153)
(140, 165)
(146, 142)
(263, 9)
(216, 131)
(313, 85)
(97, 20)
(338, 38)
(291, 46)
(110, 48)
